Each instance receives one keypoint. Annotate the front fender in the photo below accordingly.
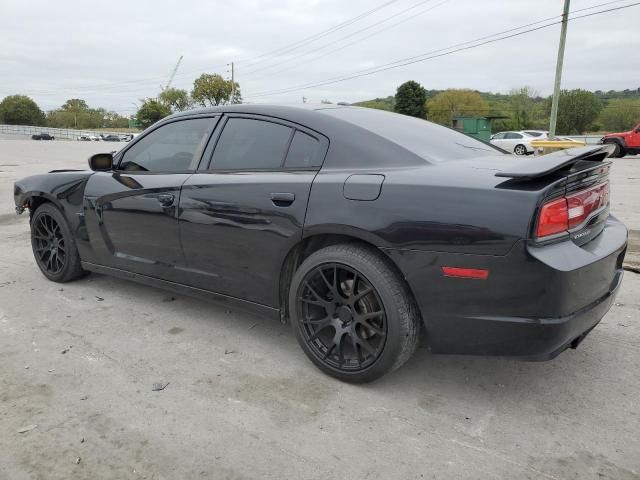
(617, 139)
(64, 189)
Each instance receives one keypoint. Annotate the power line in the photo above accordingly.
(487, 37)
(433, 54)
(307, 40)
(324, 33)
(342, 47)
(339, 39)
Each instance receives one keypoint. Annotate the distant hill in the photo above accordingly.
(495, 98)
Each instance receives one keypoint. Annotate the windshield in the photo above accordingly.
(427, 140)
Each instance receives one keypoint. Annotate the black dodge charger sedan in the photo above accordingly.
(364, 229)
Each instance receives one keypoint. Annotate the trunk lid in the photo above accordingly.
(578, 187)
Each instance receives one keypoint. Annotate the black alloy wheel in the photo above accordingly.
(352, 312)
(342, 316)
(49, 244)
(53, 245)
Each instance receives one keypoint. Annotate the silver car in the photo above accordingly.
(516, 142)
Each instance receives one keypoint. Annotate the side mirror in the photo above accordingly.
(101, 162)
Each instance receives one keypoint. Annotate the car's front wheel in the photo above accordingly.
(619, 151)
(353, 315)
(520, 150)
(53, 245)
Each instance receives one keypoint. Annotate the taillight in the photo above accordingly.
(570, 211)
(554, 218)
(584, 203)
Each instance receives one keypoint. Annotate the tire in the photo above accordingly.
(53, 245)
(520, 149)
(619, 152)
(351, 293)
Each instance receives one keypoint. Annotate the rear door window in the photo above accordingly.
(513, 136)
(250, 144)
(304, 152)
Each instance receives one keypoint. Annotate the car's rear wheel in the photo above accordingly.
(353, 315)
(520, 150)
(53, 245)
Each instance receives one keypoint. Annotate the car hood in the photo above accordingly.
(616, 134)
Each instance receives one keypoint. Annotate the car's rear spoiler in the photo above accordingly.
(544, 165)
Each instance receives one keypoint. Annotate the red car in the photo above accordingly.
(625, 142)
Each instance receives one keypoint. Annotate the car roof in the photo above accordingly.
(263, 109)
(307, 114)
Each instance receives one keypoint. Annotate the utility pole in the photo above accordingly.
(556, 87)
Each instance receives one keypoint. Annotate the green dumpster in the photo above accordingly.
(479, 127)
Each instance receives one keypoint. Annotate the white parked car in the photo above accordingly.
(88, 138)
(516, 142)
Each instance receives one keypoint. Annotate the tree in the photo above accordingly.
(178, 100)
(151, 111)
(522, 108)
(115, 120)
(410, 99)
(75, 107)
(577, 110)
(21, 110)
(75, 113)
(450, 103)
(212, 90)
(620, 115)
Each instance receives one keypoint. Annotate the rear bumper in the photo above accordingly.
(536, 302)
(533, 339)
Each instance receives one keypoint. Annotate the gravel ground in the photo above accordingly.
(78, 362)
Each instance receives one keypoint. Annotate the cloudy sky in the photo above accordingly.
(115, 53)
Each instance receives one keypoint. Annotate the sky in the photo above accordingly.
(114, 54)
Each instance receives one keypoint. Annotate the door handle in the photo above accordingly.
(166, 199)
(283, 199)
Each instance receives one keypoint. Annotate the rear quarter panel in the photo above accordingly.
(428, 207)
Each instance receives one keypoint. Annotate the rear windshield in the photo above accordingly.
(428, 140)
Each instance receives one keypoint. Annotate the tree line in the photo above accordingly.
(74, 113)
(579, 110)
(208, 90)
